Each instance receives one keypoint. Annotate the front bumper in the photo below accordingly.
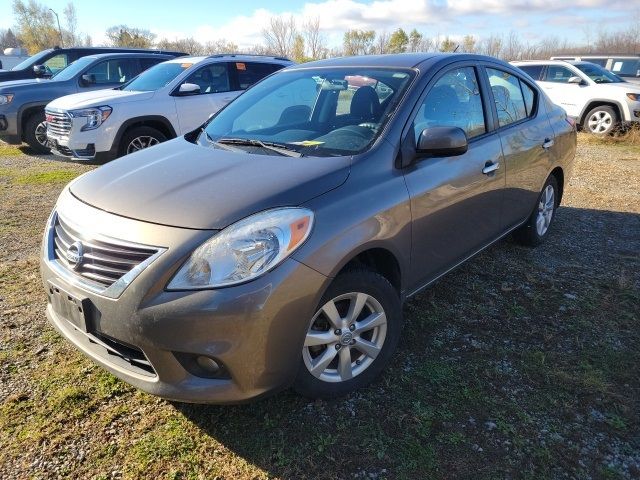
(255, 330)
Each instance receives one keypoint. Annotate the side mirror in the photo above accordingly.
(577, 80)
(442, 142)
(188, 89)
(88, 79)
(40, 70)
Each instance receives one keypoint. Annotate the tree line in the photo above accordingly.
(36, 29)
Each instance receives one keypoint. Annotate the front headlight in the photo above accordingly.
(245, 250)
(6, 98)
(634, 96)
(95, 116)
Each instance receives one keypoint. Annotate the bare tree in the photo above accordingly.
(220, 46)
(71, 18)
(314, 40)
(469, 44)
(381, 45)
(125, 36)
(492, 46)
(281, 35)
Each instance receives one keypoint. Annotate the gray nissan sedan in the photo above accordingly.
(275, 245)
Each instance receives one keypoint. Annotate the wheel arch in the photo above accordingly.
(158, 122)
(558, 173)
(378, 258)
(596, 102)
(25, 112)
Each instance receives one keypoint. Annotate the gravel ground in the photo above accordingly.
(521, 364)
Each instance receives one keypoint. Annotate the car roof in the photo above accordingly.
(127, 55)
(398, 60)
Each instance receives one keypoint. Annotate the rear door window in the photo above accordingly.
(511, 96)
(252, 72)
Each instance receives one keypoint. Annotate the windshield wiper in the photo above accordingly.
(280, 148)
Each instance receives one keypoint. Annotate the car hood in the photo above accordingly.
(12, 85)
(181, 184)
(94, 98)
(622, 87)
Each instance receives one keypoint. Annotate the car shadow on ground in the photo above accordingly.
(513, 365)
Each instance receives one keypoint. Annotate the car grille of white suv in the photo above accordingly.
(58, 123)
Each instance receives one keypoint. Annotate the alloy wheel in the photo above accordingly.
(41, 134)
(141, 142)
(600, 122)
(546, 207)
(346, 335)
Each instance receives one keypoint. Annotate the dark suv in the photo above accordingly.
(22, 102)
(48, 62)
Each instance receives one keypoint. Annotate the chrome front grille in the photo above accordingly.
(58, 123)
(105, 266)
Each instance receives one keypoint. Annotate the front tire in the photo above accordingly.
(139, 138)
(601, 120)
(536, 229)
(35, 133)
(351, 337)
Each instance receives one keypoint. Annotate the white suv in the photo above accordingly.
(598, 99)
(170, 99)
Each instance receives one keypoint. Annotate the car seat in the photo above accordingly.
(365, 105)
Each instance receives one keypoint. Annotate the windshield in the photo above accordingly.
(626, 67)
(157, 76)
(73, 69)
(32, 60)
(318, 112)
(597, 73)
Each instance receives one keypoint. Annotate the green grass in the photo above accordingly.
(41, 178)
(7, 150)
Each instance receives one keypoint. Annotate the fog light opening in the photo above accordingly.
(208, 364)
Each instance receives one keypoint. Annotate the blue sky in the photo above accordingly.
(242, 21)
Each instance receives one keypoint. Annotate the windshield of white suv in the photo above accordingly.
(318, 112)
(597, 73)
(157, 76)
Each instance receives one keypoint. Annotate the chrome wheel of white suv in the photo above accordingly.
(601, 120)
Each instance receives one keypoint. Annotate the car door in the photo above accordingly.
(216, 90)
(108, 74)
(455, 201)
(527, 138)
(570, 96)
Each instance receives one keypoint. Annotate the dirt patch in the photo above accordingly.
(521, 364)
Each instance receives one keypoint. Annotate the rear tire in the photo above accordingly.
(357, 341)
(35, 133)
(139, 138)
(537, 227)
(601, 120)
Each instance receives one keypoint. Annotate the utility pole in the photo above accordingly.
(59, 29)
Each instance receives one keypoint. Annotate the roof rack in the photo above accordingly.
(220, 55)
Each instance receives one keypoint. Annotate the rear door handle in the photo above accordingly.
(490, 167)
(548, 143)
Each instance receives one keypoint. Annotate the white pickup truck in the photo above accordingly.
(167, 100)
(598, 99)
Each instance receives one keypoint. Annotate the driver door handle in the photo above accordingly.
(490, 167)
(548, 143)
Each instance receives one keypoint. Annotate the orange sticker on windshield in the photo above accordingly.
(185, 65)
(241, 66)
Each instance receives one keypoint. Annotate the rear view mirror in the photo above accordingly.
(442, 142)
(40, 70)
(334, 84)
(576, 80)
(189, 89)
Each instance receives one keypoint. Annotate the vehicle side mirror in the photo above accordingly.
(576, 80)
(88, 79)
(40, 70)
(442, 142)
(188, 89)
